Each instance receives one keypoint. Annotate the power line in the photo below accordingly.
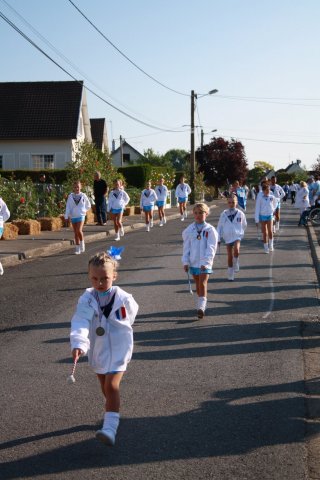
(265, 100)
(9, 22)
(124, 55)
(269, 141)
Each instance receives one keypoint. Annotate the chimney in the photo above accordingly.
(113, 146)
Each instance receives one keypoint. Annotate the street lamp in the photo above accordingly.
(202, 135)
(192, 150)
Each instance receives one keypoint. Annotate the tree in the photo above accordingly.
(177, 158)
(153, 158)
(264, 165)
(316, 166)
(222, 161)
(255, 174)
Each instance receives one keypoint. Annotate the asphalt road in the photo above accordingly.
(222, 398)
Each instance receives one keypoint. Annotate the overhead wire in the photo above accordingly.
(67, 60)
(124, 55)
(28, 39)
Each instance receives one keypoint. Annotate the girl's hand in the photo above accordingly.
(76, 354)
(186, 268)
(202, 267)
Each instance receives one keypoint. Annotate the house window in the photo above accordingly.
(126, 157)
(41, 162)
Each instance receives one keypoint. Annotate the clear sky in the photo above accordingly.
(263, 53)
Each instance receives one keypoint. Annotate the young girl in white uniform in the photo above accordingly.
(265, 206)
(118, 199)
(162, 195)
(231, 227)
(4, 216)
(183, 190)
(77, 206)
(102, 326)
(279, 193)
(200, 241)
(147, 202)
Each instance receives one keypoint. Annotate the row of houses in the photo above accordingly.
(42, 122)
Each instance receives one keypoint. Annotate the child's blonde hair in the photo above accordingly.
(102, 258)
(202, 207)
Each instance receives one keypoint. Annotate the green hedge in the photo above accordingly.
(52, 176)
(136, 175)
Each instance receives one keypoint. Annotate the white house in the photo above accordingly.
(40, 123)
(129, 155)
(295, 167)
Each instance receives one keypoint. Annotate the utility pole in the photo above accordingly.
(202, 134)
(121, 152)
(192, 151)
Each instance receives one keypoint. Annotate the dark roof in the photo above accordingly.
(128, 145)
(97, 131)
(33, 110)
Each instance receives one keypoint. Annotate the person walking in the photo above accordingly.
(100, 190)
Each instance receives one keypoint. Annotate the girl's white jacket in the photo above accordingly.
(277, 191)
(112, 351)
(118, 199)
(199, 252)
(73, 210)
(147, 201)
(231, 231)
(265, 205)
(162, 193)
(4, 213)
(183, 190)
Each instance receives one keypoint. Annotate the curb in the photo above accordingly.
(315, 249)
(31, 254)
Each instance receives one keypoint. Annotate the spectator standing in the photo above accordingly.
(100, 189)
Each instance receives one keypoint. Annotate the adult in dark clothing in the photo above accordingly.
(100, 190)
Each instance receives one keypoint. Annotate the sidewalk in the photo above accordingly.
(25, 247)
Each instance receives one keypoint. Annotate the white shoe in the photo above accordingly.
(82, 247)
(164, 220)
(151, 223)
(77, 251)
(266, 248)
(236, 266)
(230, 274)
(182, 218)
(148, 228)
(271, 249)
(121, 231)
(161, 223)
(117, 237)
(106, 436)
(1, 269)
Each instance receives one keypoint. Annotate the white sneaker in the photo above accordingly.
(182, 218)
(230, 274)
(266, 248)
(161, 223)
(106, 436)
(236, 266)
(82, 247)
(164, 220)
(117, 237)
(151, 223)
(271, 249)
(148, 228)
(1, 269)
(121, 231)
(77, 251)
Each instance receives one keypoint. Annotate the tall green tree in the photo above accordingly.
(265, 166)
(222, 161)
(316, 166)
(178, 158)
(153, 158)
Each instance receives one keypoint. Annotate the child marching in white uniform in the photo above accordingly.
(4, 216)
(117, 201)
(279, 193)
(182, 192)
(265, 206)
(199, 248)
(147, 201)
(76, 208)
(102, 326)
(231, 227)
(162, 195)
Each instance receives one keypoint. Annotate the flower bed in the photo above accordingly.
(28, 227)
